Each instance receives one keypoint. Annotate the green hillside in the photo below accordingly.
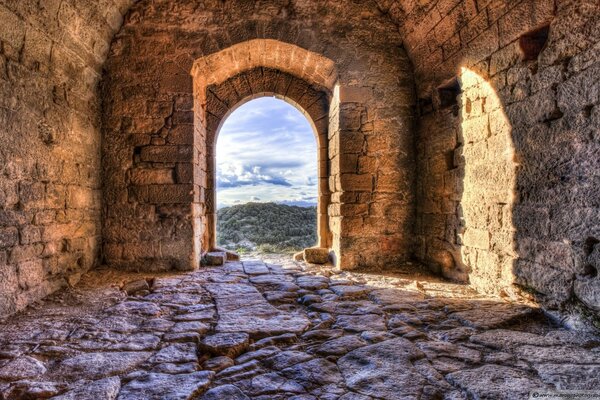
(267, 227)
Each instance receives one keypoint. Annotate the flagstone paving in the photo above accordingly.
(280, 329)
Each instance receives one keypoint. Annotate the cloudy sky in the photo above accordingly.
(266, 151)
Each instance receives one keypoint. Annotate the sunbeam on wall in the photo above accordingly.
(488, 186)
(266, 152)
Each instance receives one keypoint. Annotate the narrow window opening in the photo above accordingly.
(532, 43)
(448, 93)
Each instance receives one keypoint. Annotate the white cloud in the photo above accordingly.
(266, 149)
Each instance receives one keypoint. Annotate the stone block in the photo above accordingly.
(166, 154)
(477, 238)
(215, 259)
(8, 237)
(316, 255)
(30, 234)
(357, 183)
(150, 176)
(30, 273)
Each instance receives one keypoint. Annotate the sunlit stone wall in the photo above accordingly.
(51, 57)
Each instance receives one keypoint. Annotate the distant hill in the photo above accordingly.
(266, 227)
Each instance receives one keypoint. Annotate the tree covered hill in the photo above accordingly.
(267, 227)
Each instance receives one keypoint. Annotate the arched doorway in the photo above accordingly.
(310, 100)
(266, 178)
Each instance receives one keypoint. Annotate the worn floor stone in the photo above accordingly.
(218, 333)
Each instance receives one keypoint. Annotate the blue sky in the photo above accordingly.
(266, 151)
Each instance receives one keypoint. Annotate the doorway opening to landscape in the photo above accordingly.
(266, 175)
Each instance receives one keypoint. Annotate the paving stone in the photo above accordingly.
(557, 354)
(218, 363)
(350, 292)
(257, 354)
(286, 338)
(570, 376)
(503, 338)
(136, 307)
(358, 307)
(316, 372)
(270, 383)
(435, 349)
(313, 282)
(384, 370)
(190, 326)
(279, 358)
(255, 268)
(26, 389)
(136, 286)
(170, 368)
(245, 310)
(225, 344)
(104, 389)
(494, 315)
(22, 368)
(340, 346)
(322, 334)
(229, 392)
(153, 386)
(495, 382)
(100, 365)
(286, 359)
(176, 353)
(358, 323)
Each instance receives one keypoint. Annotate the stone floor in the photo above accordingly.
(260, 330)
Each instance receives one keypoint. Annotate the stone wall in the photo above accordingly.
(508, 150)
(155, 218)
(50, 63)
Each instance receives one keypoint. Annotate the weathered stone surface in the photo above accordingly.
(176, 353)
(494, 381)
(152, 386)
(105, 389)
(503, 338)
(100, 365)
(358, 323)
(34, 390)
(218, 363)
(340, 346)
(225, 344)
(316, 255)
(215, 258)
(84, 350)
(225, 392)
(313, 373)
(383, 370)
(243, 309)
(570, 376)
(492, 316)
(22, 368)
(134, 287)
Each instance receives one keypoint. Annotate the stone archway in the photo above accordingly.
(312, 101)
(157, 175)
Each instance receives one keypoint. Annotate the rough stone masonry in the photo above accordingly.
(460, 134)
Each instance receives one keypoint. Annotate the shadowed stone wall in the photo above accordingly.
(51, 60)
(508, 174)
